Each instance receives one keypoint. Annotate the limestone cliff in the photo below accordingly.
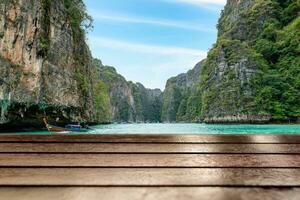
(178, 98)
(130, 102)
(251, 75)
(45, 64)
(148, 103)
(253, 54)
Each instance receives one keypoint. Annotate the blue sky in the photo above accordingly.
(149, 41)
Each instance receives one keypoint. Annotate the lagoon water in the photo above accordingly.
(196, 129)
(191, 129)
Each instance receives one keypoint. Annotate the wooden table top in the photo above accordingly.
(151, 167)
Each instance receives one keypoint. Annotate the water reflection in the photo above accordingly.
(196, 129)
(189, 129)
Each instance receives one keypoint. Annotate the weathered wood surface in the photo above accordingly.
(148, 160)
(146, 193)
(149, 177)
(149, 148)
(151, 167)
(142, 138)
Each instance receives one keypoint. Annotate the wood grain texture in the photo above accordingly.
(148, 160)
(147, 148)
(141, 138)
(142, 193)
(88, 167)
(149, 177)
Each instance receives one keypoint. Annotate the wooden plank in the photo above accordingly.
(133, 193)
(148, 160)
(149, 177)
(147, 148)
(140, 138)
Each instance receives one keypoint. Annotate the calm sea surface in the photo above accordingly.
(190, 129)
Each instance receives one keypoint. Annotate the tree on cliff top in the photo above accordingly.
(78, 15)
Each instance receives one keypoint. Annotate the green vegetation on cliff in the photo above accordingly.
(172, 97)
(181, 99)
(190, 107)
(129, 102)
(55, 77)
(278, 85)
(100, 94)
(148, 103)
(44, 39)
(102, 102)
(118, 89)
(78, 16)
(252, 73)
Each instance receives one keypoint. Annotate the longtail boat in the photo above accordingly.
(68, 128)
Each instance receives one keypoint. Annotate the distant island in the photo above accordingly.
(251, 74)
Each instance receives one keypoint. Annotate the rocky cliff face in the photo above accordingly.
(236, 70)
(46, 70)
(251, 73)
(177, 97)
(130, 102)
(226, 88)
(148, 103)
(45, 64)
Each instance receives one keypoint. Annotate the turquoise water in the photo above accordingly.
(191, 129)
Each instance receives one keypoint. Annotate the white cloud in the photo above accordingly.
(144, 48)
(213, 5)
(201, 2)
(157, 22)
(151, 65)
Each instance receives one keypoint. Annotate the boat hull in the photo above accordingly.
(56, 129)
